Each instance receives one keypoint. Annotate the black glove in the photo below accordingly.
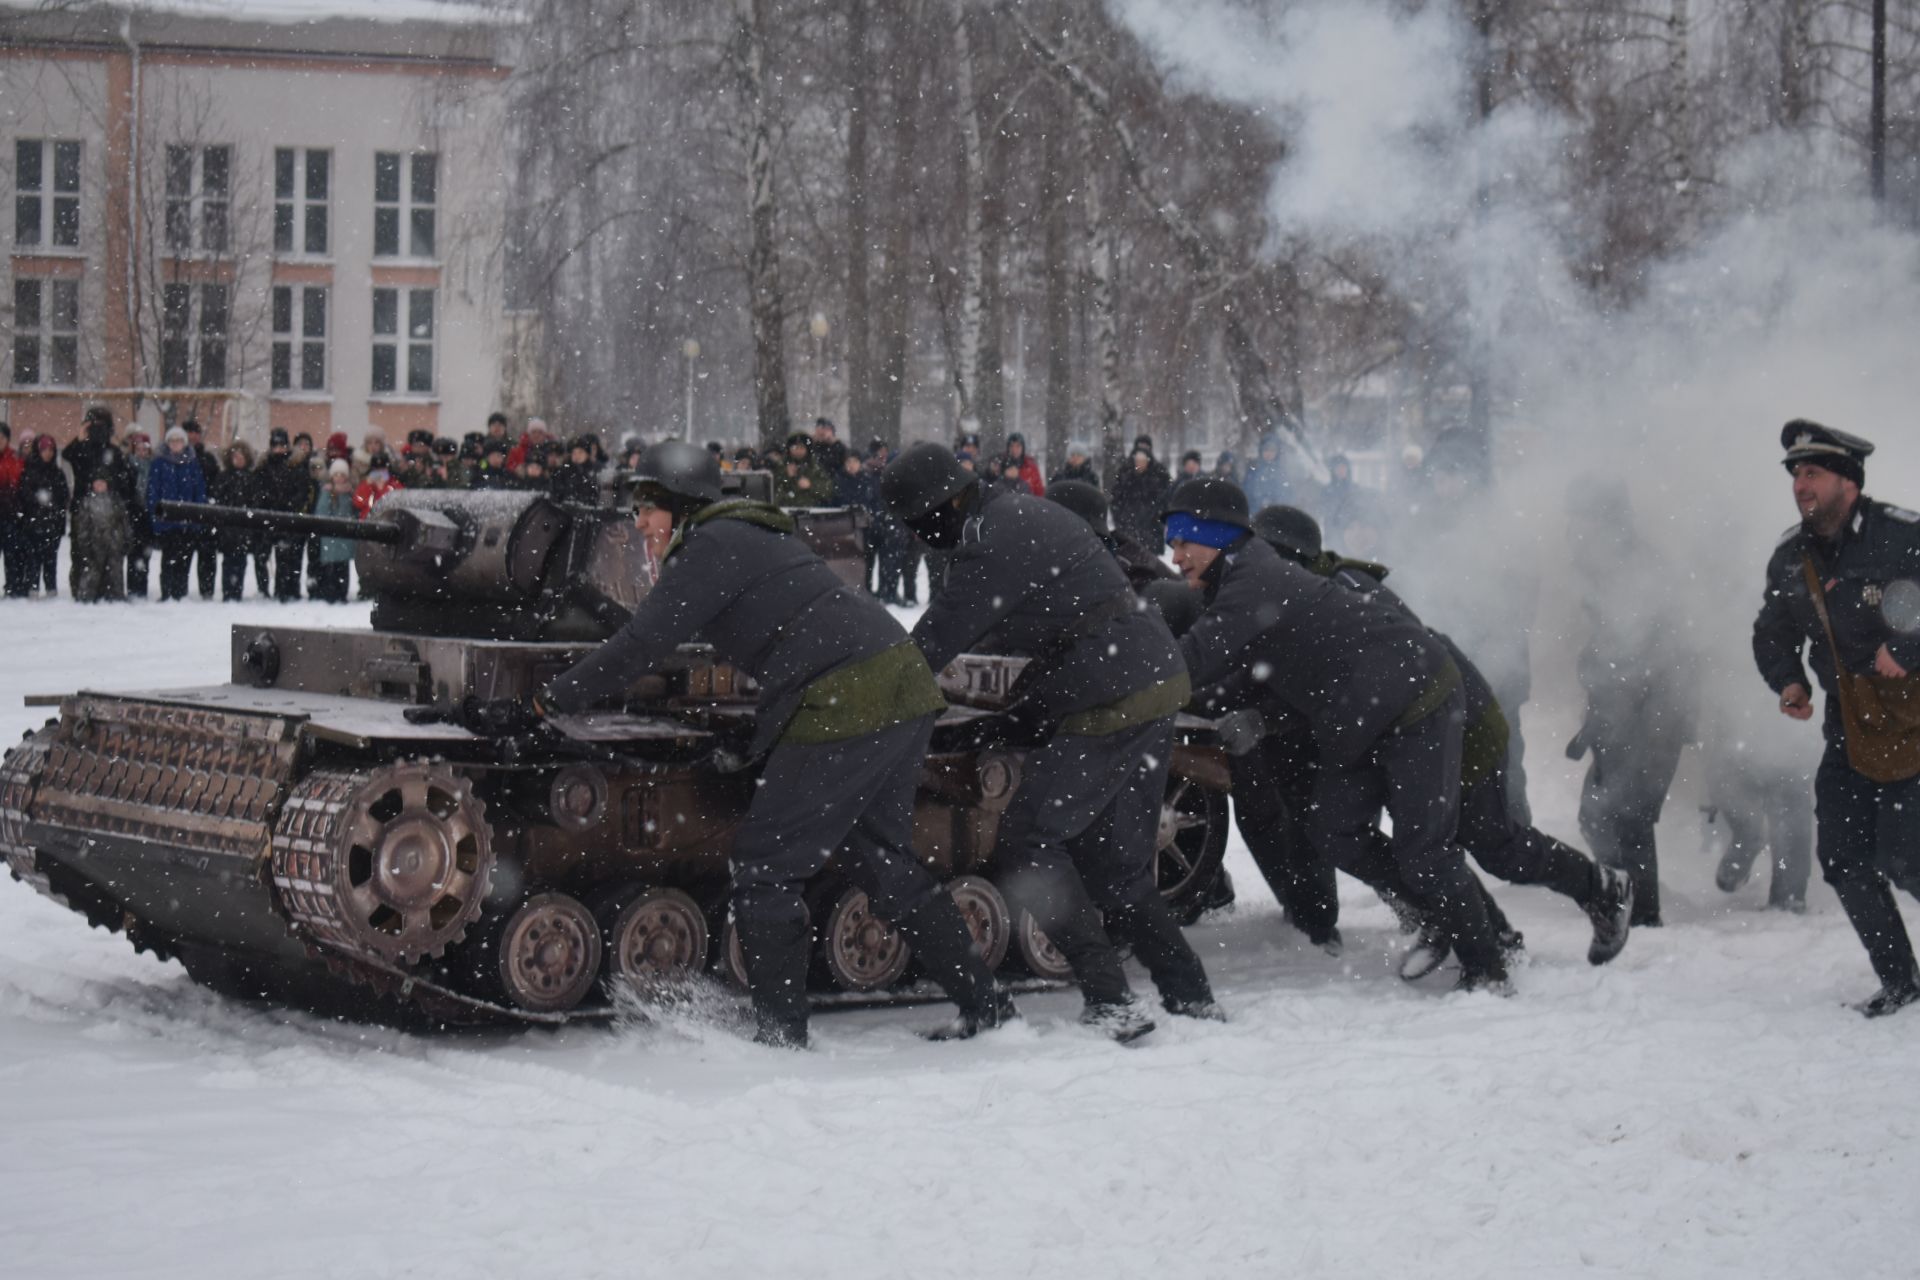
(499, 717)
(1240, 731)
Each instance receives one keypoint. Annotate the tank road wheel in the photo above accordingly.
(1190, 843)
(659, 935)
(549, 953)
(861, 952)
(1036, 951)
(392, 863)
(985, 912)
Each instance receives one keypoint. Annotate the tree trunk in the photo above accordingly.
(859, 227)
(990, 375)
(766, 305)
(1106, 338)
(966, 370)
(1877, 108)
(906, 63)
(1678, 168)
(1057, 273)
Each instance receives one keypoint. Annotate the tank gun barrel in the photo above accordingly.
(281, 522)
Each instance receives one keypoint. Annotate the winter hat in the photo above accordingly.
(1143, 444)
(338, 467)
(191, 426)
(277, 438)
(337, 446)
(1193, 456)
(176, 433)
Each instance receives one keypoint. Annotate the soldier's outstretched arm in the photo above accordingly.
(694, 586)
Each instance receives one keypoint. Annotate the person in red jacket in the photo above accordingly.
(10, 547)
(532, 443)
(1017, 456)
(378, 484)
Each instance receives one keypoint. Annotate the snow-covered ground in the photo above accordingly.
(1703, 1107)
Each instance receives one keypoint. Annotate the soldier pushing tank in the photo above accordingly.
(848, 706)
(1835, 589)
(1381, 696)
(1094, 708)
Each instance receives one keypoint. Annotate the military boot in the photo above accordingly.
(1611, 909)
(1148, 926)
(1891, 998)
(774, 941)
(946, 951)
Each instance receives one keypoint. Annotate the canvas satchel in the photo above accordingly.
(1881, 714)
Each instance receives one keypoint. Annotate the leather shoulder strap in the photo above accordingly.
(1820, 607)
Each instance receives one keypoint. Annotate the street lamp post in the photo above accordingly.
(691, 350)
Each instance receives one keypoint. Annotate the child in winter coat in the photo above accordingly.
(175, 476)
(43, 500)
(378, 484)
(332, 557)
(102, 531)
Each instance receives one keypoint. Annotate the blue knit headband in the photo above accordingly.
(1182, 527)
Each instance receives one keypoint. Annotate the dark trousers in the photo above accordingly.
(206, 559)
(1078, 840)
(1272, 794)
(1414, 773)
(1771, 812)
(287, 557)
(1516, 852)
(855, 795)
(1626, 787)
(176, 560)
(1869, 840)
(139, 556)
(43, 561)
(330, 581)
(912, 553)
(13, 546)
(233, 572)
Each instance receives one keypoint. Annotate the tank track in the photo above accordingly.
(18, 769)
(309, 841)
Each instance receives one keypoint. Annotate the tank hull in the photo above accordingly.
(320, 832)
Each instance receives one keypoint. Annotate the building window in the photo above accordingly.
(405, 190)
(46, 332)
(299, 338)
(194, 320)
(199, 198)
(46, 199)
(301, 180)
(390, 344)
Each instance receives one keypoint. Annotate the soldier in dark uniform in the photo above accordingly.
(1867, 789)
(1381, 697)
(1637, 671)
(1515, 851)
(1086, 501)
(847, 707)
(1095, 707)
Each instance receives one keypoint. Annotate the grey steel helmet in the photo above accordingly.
(921, 478)
(1083, 499)
(681, 469)
(1290, 531)
(1209, 498)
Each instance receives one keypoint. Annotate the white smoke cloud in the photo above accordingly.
(1803, 303)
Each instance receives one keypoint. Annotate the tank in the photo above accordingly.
(359, 820)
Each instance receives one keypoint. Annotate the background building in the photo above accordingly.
(255, 217)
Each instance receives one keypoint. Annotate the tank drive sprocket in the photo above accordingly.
(392, 862)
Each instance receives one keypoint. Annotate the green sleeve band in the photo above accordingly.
(1155, 702)
(889, 688)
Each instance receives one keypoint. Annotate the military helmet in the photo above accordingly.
(682, 469)
(1289, 530)
(1083, 499)
(1209, 498)
(921, 478)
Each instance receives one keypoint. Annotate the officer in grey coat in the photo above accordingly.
(1095, 708)
(847, 707)
(1853, 560)
(1381, 696)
